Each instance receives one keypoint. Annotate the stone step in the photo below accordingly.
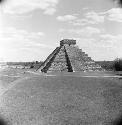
(68, 57)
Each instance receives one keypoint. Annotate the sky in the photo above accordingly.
(31, 29)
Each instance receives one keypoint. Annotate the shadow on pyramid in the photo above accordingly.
(68, 58)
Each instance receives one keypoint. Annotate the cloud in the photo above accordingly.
(12, 38)
(114, 14)
(84, 32)
(12, 32)
(19, 44)
(66, 18)
(50, 11)
(94, 17)
(84, 42)
(99, 45)
(106, 46)
(113, 41)
(96, 49)
(91, 17)
(107, 36)
(26, 6)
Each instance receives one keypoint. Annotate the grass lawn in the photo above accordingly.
(61, 99)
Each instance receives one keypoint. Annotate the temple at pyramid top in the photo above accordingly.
(67, 41)
(68, 58)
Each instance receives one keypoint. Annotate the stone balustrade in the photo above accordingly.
(59, 63)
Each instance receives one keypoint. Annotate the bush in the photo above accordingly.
(31, 66)
(107, 65)
(118, 64)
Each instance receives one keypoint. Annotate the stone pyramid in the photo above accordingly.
(68, 58)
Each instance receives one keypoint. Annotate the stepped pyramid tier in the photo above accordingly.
(68, 58)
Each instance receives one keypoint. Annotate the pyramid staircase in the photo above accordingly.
(68, 58)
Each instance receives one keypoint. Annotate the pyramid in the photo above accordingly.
(68, 58)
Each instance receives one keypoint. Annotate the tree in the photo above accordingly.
(119, 2)
(118, 64)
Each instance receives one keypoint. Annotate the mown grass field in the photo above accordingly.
(60, 98)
